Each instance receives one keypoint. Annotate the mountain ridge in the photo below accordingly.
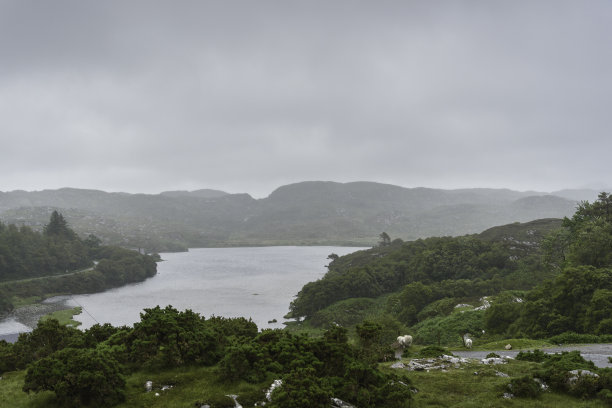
(305, 213)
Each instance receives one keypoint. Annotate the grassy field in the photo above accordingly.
(474, 385)
(462, 388)
(188, 387)
(65, 316)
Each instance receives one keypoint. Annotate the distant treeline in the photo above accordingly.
(57, 261)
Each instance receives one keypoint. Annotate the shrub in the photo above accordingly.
(536, 356)
(576, 338)
(606, 396)
(525, 387)
(79, 377)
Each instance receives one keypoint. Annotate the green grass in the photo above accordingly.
(194, 386)
(65, 316)
(190, 385)
(517, 344)
(461, 388)
(12, 396)
(20, 302)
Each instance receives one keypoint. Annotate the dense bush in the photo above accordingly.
(576, 338)
(537, 356)
(385, 269)
(169, 338)
(79, 377)
(525, 387)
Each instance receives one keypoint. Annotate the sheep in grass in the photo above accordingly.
(401, 344)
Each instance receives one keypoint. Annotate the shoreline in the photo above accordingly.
(28, 316)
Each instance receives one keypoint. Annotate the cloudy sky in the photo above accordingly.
(245, 96)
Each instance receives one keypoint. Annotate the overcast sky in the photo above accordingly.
(245, 96)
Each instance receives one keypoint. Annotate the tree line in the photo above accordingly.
(58, 261)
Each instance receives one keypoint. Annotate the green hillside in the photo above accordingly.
(308, 213)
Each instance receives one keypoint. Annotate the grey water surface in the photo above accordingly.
(253, 282)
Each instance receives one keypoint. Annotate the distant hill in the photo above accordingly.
(307, 213)
(204, 193)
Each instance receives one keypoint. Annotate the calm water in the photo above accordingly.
(252, 282)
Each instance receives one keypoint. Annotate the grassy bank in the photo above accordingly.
(65, 316)
(195, 386)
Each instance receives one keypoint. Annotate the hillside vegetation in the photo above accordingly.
(57, 261)
(538, 279)
(308, 213)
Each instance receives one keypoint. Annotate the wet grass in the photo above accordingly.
(65, 316)
(517, 344)
(473, 386)
(476, 386)
(190, 386)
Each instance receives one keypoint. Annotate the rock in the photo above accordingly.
(398, 365)
(166, 387)
(543, 385)
(157, 394)
(462, 305)
(235, 398)
(485, 304)
(508, 347)
(149, 386)
(338, 403)
(275, 384)
(493, 361)
(575, 375)
(500, 374)
(508, 395)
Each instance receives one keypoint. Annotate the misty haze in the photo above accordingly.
(305, 204)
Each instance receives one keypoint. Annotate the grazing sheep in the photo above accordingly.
(468, 343)
(401, 344)
(405, 341)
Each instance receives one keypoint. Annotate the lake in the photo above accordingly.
(253, 282)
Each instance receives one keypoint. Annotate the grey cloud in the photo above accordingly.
(244, 96)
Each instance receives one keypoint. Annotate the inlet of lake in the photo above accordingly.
(252, 282)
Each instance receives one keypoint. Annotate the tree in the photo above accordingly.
(385, 240)
(301, 388)
(79, 377)
(169, 338)
(58, 227)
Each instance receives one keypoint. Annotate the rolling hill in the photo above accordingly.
(307, 213)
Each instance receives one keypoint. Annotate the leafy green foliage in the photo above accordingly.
(79, 377)
(525, 387)
(47, 338)
(58, 261)
(169, 338)
(302, 387)
(416, 264)
(536, 355)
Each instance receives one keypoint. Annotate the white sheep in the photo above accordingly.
(405, 341)
(468, 343)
